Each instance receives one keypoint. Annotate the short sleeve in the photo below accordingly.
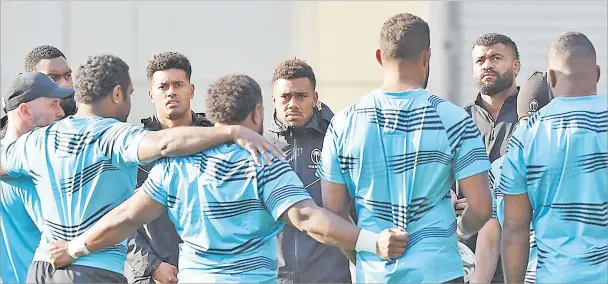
(513, 174)
(157, 185)
(470, 156)
(280, 187)
(17, 155)
(124, 138)
(329, 166)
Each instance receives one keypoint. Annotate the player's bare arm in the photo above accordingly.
(183, 141)
(487, 251)
(336, 199)
(114, 227)
(331, 229)
(516, 237)
(476, 189)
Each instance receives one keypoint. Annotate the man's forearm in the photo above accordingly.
(113, 228)
(473, 221)
(329, 228)
(183, 141)
(487, 252)
(515, 253)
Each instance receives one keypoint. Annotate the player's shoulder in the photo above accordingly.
(449, 112)
(353, 111)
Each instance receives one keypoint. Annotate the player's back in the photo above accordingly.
(82, 169)
(564, 148)
(398, 154)
(226, 211)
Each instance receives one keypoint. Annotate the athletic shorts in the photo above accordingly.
(43, 272)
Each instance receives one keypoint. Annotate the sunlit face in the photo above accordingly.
(294, 101)
(44, 111)
(171, 92)
(494, 68)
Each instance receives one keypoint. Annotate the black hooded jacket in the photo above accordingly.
(159, 241)
(301, 258)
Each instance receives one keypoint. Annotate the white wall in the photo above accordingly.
(337, 38)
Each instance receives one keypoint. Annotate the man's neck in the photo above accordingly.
(494, 103)
(398, 79)
(90, 110)
(185, 120)
(15, 128)
(573, 89)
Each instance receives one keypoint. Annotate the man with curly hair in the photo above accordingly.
(153, 251)
(298, 125)
(227, 210)
(87, 164)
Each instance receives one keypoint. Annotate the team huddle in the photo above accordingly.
(398, 183)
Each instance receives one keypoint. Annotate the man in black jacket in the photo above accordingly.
(495, 66)
(298, 126)
(153, 251)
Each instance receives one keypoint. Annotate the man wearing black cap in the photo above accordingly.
(31, 100)
(533, 95)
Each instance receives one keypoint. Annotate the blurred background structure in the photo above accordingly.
(338, 38)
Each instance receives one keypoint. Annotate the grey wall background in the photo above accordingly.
(338, 38)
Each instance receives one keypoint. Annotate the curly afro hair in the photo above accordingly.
(98, 76)
(231, 98)
(294, 69)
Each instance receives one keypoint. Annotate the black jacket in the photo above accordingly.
(306, 260)
(160, 243)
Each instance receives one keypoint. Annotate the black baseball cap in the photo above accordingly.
(29, 86)
(533, 94)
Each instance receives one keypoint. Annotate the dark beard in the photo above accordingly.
(502, 82)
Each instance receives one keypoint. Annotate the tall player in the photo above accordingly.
(554, 175)
(397, 151)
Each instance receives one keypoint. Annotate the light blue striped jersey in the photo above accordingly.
(226, 210)
(398, 154)
(20, 218)
(498, 214)
(560, 159)
(82, 168)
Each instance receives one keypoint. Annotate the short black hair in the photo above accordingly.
(231, 98)
(490, 39)
(97, 77)
(404, 37)
(38, 53)
(572, 45)
(169, 60)
(294, 69)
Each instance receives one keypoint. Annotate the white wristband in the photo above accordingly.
(366, 241)
(77, 247)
